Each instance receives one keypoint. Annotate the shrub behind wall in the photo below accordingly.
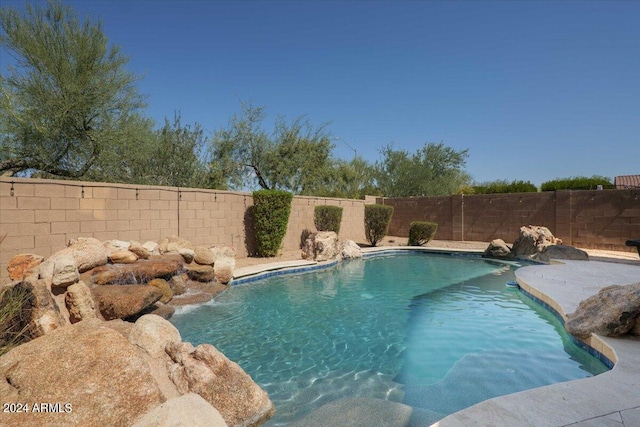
(327, 218)
(376, 222)
(271, 210)
(421, 232)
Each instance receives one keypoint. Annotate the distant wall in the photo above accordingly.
(587, 219)
(40, 216)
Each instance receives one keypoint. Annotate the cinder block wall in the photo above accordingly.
(40, 216)
(588, 219)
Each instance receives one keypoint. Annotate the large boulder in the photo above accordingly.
(188, 410)
(200, 273)
(224, 264)
(140, 251)
(350, 249)
(561, 252)
(23, 266)
(611, 312)
(123, 256)
(174, 244)
(203, 255)
(122, 301)
(89, 370)
(140, 272)
(321, 246)
(206, 371)
(497, 249)
(152, 334)
(164, 287)
(80, 303)
(533, 239)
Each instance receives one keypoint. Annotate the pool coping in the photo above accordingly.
(600, 400)
(609, 397)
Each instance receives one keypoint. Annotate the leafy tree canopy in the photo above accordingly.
(68, 97)
(295, 158)
(433, 170)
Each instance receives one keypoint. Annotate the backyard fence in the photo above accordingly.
(40, 216)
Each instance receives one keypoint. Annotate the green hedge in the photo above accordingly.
(271, 209)
(578, 183)
(327, 218)
(376, 222)
(499, 186)
(421, 232)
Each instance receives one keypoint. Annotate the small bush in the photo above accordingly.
(327, 218)
(500, 186)
(578, 183)
(421, 232)
(16, 303)
(376, 222)
(271, 210)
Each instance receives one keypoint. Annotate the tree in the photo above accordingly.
(352, 179)
(68, 97)
(434, 170)
(171, 156)
(296, 158)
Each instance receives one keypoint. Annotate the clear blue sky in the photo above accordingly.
(536, 90)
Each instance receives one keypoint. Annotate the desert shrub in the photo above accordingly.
(376, 222)
(577, 183)
(503, 186)
(421, 232)
(327, 218)
(16, 303)
(271, 209)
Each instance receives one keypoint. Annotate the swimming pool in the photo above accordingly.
(437, 332)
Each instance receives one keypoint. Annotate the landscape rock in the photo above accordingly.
(187, 254)
(203, 255)
(206, 371)
(173, 244)
(87, 252)
(123, 256)
(612, 312)
(80, 303)
(223, 251)
(533, 239)
(152, 334)
(188, 410)
(22, 266)
(65, 272)
(121, 301)
(321, 246)
(164, 287)
(88, 366)
(165, 311)
(116, 245)
(140, 251)
(151, 247)
(497, 249)
(139, 272)
(178, 283)
(200, 273)
(350, 249)
(223, 269)
(561, 252)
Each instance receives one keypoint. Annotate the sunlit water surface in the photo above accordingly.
(437, 332)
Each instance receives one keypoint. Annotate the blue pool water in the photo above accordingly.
(437, 332)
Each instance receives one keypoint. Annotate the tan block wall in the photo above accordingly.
(587, 219)
(41, 216)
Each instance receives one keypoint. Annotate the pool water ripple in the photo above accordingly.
(436, 332)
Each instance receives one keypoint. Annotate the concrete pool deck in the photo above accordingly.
(608, 399)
